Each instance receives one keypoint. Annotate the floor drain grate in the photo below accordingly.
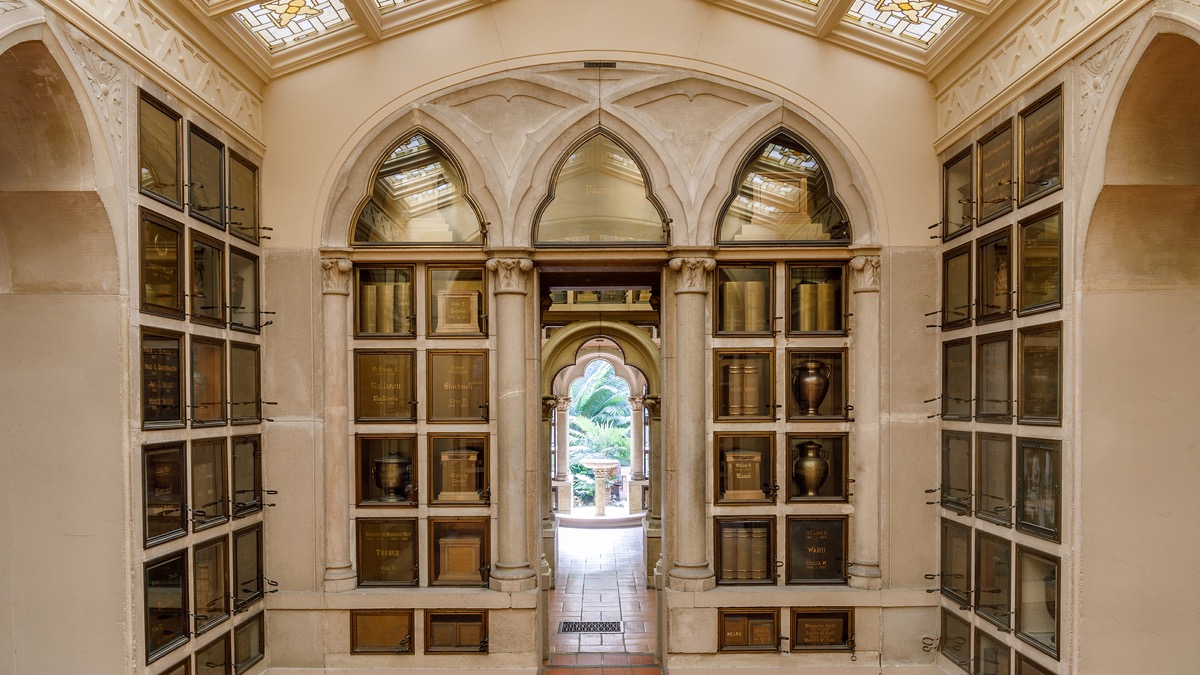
(590, 627)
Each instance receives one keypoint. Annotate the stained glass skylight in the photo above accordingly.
(916, 20)
(287, 22)
(389, 5)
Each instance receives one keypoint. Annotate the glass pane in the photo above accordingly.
(956, 470)
(247, 475)
(993, 399)
(1037, 598)
(280, 25)
(600, 196)
(162, 380)
(243, 198)
(956, 288)
(818, 385)
(993, 657)
(208, 382)
(247, 567)
(956, 639)
(388, 632)
(455, 632)
(816, 550)
(744, 464)
(387, 552)
(459, 469)
(457, 387)
(958, 198)
(210, 496)
(214, 659)
(744, 300)
(165, 508)
(211, 583)
(162, 267)
(417, 197)
(815, 630)
(745, 551)
(206, 180)
(1027, 667)
(995, 277)
(996, 173)
(385, 470)
(166, 605)
(817, 467)
(460, 554)
(385, 302)
(815, 299)
(1041, 148)
(956, 562)
(783, 194)
(248, 644)
(956, 379)
(993, 587)
(1040, 266)
(994, 480)
(244, 403)
(456, 302)
(243, 290)
(743, 631)
(158, 151)
(917, 22)
(384, 387)
(1038, 482)
(1040, 398)
(208, 291)
(744, 385)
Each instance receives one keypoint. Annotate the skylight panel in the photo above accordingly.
(389, 5)
(288, 22)
(918, 21)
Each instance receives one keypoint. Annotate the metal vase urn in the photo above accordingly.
(809, 469)
(810, 384)
(391, 474)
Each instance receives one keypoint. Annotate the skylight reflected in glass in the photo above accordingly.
(919, 21)
(288, 22)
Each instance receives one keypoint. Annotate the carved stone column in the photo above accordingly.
(652, 492)
(335, 287)
(562, 475)
(865, 454)
(691, 570)
(637, 438)
(512, 571)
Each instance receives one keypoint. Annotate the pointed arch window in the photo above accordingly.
(417, 196)
(784, 195)
(600, 195)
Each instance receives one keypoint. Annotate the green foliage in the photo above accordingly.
(583, 486)
(600, 425)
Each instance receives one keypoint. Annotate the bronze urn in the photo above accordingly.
(809, 469)
(810, 384)
(391, 476)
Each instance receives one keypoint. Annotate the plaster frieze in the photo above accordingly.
(1045, 32)
(335, 278)
(1095, 73)
(693, 277)
(104, 81)
(511, 273)
(866, 273)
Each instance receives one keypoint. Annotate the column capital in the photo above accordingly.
(693, 273)
(866, 273)
(637, 403)
(653, 404)
(511, 273)
(562, 403)
(336, 276)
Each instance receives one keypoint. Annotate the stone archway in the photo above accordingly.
(1138, 368)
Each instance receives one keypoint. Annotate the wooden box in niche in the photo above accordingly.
(744, 468)
(381, 631)
(748, 630)
(459, 551)
(458, 466)
(455, 631)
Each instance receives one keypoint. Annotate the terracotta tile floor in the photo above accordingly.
(602, 577)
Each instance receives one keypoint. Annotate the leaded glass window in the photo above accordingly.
(417, 197)
(918, 21)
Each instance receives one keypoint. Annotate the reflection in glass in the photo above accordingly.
(1037, 599)
(166, 604)
(243, 198)
(208, 382)
(162, 380)
(458, 469)
(995, 279)
(385, 301)
(1027, 667)
(956, 288)
(818, 385)
(815, 299)
(456, 302)
(745, 551)
(1040, 398)
(459, 551)
(384, 387)
(158, 151)
(816, 550)
(165, 506)
(956, 379)
(247, 475)
(210, 496)
(744, 468)
(206, 184)
(214, 659)
(996, 173)
(956, 639)
(210, 579)
(245, 405)
(248, 644)
(1041, 147)
(600, 196)
(744, 385)
(243, 290)
(162, 267)
(956, 470)
(958, 198)
(208, 283)
(993, 486)
(993, 588)
(381, 632)
(457, 387)
(417, 197)
(992, 656)
(993, 389)
(956, 562)
(1038, 483)
(784, 194)
(247, 567)
(1040, 251)
(744, 300)
(817, 467)
(387, 552)
(386, 471)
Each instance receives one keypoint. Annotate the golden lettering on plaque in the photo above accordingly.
(457, 312)
(743, 475)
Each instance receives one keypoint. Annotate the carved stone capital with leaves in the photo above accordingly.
(866, 273)
(336, 276)
(693, 273)
(511, 274)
